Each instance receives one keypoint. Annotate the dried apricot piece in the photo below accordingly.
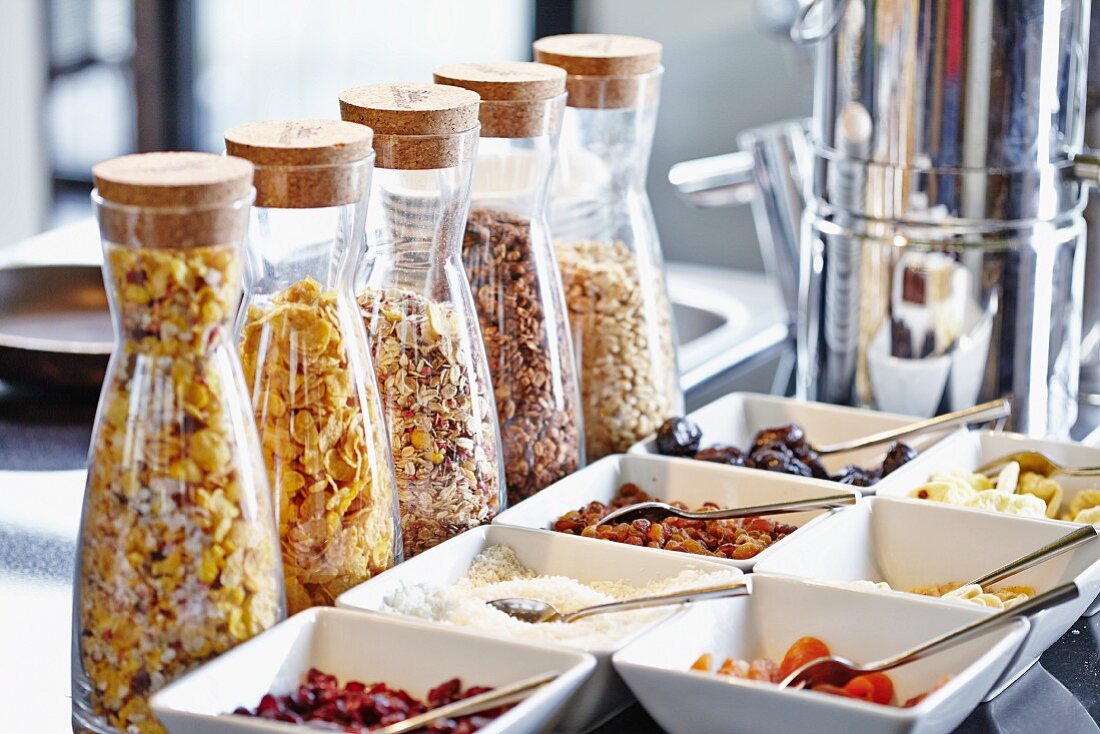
(801, 652)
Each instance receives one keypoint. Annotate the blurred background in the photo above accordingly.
(85, 80)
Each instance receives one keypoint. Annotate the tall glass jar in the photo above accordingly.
(513, 275)
(420, 318)
(606, 239)
(178, 559)
(306, 357)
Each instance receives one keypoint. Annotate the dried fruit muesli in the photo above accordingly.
(624, 333)
(323, 441)
(439, 407)
(528, 348)
(178, 560)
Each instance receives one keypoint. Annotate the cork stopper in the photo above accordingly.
(173, 199)
(599, 54)
(605, 71)
(519, 99)
(416, 126)
(304, 163)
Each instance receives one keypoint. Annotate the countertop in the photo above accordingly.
(43, 442)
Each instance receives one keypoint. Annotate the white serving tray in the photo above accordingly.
(909, 543)
(369, 649)
(856, 625)
(604, 694)
(735, 419)
(670, 480)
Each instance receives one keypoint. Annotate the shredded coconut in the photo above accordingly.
(496, 573)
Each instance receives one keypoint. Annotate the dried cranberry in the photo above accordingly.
(678, 437)
(723, 454)
(898, 455)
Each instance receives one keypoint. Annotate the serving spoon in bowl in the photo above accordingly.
(534, 611)
(834, 667)
(658, 511)
(1055, 548)
(1040, 463)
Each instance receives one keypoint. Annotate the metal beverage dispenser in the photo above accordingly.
(941, 251)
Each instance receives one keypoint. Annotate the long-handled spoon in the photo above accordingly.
(481, 702)
(657, 511)
(1066, 543)
(535, 611)
(1040, 463)
(993, 410)
(835, 667)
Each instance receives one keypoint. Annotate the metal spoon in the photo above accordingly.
(536, 612)
(1066, 543)
(1040, 463)
(834, 667)
(472, 705)
(993, 410)
(657, 511)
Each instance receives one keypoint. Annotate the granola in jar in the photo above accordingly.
(440, 415)
(528, 349)
(623, 333)
(178, 558)
(325, 449)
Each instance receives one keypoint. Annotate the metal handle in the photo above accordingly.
(473, 704)
(800, 35)
(717, 181)
(992, 410)
(1086, 168)
(1059, 595)
(831, 502)
(741, 588)
(1066, 543)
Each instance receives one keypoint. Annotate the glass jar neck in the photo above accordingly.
(289, 245)
(513, 174)
(607, 148)
(421, 209)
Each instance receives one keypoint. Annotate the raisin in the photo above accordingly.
(678, 437)
(723, 454)
(898, 455)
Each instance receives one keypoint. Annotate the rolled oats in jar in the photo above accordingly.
(178, 558)
(606, 241)
(306, 358)
(515, 283)
(415, 300)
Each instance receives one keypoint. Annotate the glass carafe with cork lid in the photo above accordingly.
(514, 278)
(306, 357)
(428, 354)
(178, 558)
(606, 240)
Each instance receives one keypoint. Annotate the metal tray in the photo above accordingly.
(55, 326)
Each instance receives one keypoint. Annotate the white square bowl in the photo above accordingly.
(970, 450)
(735, 419)
(604, 694)
(673, 480)
(857, 625)
(369, 649)
(909, 543)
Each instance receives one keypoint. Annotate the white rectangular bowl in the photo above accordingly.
(368, 649)
(970, 450)
(735, 419)
(859, 626)
(604, 694)
(673, 480)
(909, 543)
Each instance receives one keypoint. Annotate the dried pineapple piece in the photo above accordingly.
(1044, 488)
(1084, 500)
(1090, 516)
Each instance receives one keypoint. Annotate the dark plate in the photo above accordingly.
(55, 326)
